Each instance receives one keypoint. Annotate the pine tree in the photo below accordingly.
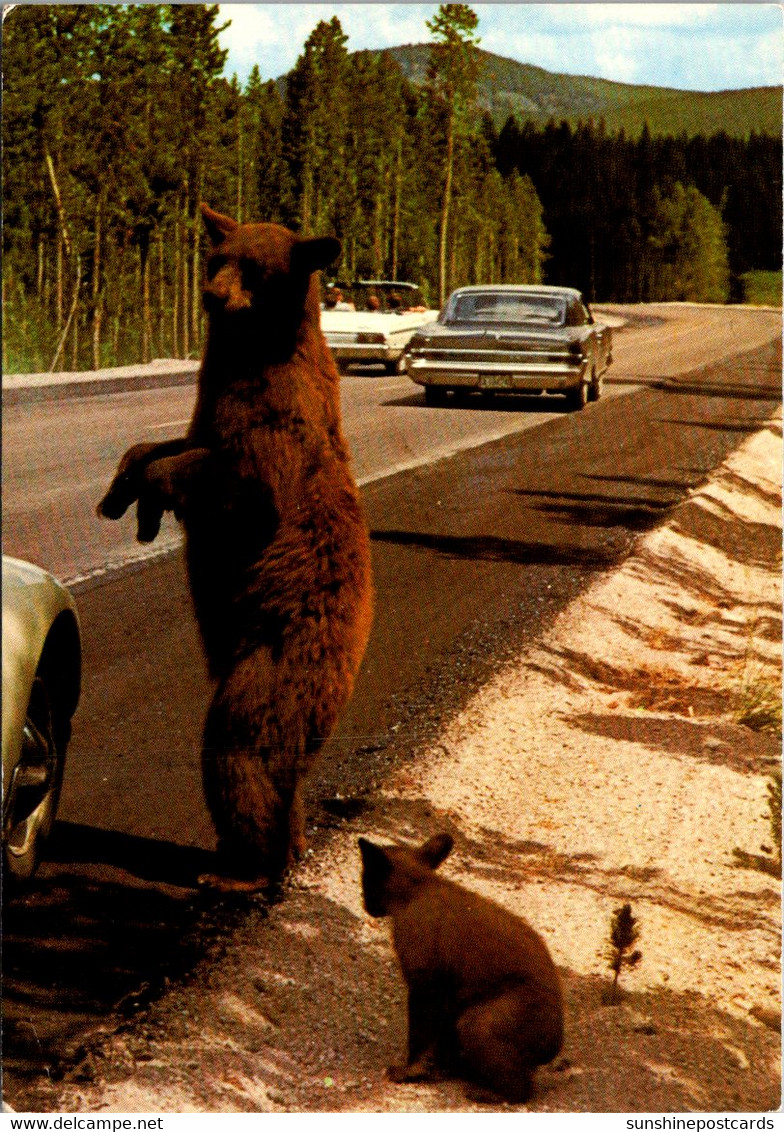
(315, 130)
(452, 75)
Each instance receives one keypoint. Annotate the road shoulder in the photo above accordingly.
(607, 764)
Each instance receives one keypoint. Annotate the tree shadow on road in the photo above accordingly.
(635, 513)
(490, 548)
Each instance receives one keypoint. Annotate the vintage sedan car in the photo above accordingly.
(41, 684)
(377, 330)
(510, 339)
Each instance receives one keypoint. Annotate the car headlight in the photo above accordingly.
(368, 338)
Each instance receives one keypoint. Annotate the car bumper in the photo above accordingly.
(362, 352)
(522, 376)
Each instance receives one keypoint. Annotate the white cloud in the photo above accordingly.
(687, 45)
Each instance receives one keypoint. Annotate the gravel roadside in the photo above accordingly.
(606, 765)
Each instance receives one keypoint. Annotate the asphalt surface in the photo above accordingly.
(473, 555)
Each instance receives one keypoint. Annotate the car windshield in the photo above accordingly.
(500, 306)
(376, 296)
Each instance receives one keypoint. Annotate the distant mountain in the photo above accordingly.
(533, 94)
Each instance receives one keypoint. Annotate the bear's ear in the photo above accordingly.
(374, 857)
(315, 254)
(218, 226)
(435, 850)
(376, 863)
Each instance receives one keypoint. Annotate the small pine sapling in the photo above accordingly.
(624, 933)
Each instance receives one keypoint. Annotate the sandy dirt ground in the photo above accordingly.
(607, 765)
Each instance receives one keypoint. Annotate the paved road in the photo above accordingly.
(473, 555)
(58, 456)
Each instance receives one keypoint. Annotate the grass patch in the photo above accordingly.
(758, 701)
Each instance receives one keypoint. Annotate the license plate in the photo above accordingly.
(494, 381)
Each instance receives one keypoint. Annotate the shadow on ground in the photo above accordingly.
(134, 923)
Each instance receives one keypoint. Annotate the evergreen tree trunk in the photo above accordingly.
(239, 169)
(71, 319)
(96, 285)
(396, 208)
(196, 267)
(39, 279)
(75, 340)
(446, 203)
(144, 253)
(59, 285)
(176, 292)
(378, 252)
(161, 347)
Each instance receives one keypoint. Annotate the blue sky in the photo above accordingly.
(692, 46)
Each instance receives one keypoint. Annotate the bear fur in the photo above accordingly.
(484, 997)
(276, 545)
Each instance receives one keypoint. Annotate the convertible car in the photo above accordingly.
(41, 685)
(510, 339)
(373, 322)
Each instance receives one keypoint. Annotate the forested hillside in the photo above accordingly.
(534, 95)
(118, 121)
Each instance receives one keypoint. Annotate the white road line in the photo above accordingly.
(170, 542)
(164, 546)
(170, 424)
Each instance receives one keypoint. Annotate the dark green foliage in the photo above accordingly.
(117, 122)
(624, 933)
(604, 194)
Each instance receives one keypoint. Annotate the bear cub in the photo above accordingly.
(276, 545)
(484, 997)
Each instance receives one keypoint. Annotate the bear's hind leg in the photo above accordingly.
(250, 802)
(493, 1051)
(297, 840)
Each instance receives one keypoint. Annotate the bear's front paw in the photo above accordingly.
(118, 498)
(124, 488)
(149, 513)
(417, 1071)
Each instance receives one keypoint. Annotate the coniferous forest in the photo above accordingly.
(118, 121)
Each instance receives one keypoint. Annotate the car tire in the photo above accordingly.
(34, 806)
(435, 395)
(577, 398)
(596, 387)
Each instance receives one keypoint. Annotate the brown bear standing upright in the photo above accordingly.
(277, 548)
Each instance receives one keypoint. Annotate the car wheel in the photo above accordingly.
(435, 395)
(577, 398)
(35, 789)
(596, 387)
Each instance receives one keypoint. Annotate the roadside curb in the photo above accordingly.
(29, 388)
